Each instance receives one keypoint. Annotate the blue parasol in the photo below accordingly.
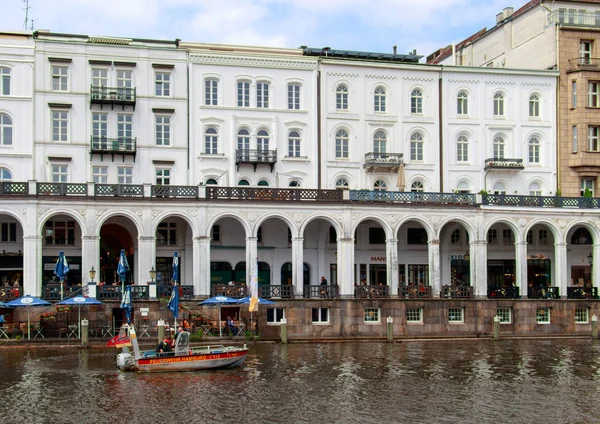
(246, 300)
(219, 300)
(175, 269)
(61, 269)
(126, 302)
(79, 301)
(123, 268)
(28, 302)
(174, 303)
(4, 305)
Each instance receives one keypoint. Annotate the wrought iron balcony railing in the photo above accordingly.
(122, 145)
(323, 292)
(284, 291)
(574, 17)
(456, 292)
(577, 292)
(584, 63)
(504, 163)
(61, 189)
(112, 96)
(8, 188)
(412, 197)
(237, 291)
(256, 157)
(376, 161)
(503, 293)
(543, 293)
(371, 292)
(264, 193)
(414, 291)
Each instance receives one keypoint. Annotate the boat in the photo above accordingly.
(183, 358)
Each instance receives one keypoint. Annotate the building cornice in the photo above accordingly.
(253, 62)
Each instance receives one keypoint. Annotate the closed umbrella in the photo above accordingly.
(219, 300)
(79, 301)
(401, 183)
(126, 303)
(123, 268)
(28, 302)
(175, 268)
(174, 302)
(60, 270)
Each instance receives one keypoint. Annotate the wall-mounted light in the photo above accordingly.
(467, 256)
(92, 274)
(591, 259)
(152, 273)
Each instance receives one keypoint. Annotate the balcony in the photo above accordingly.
(543, 293)
(123, 96)
(382, 162)
(584, 64)
(414, 291)
(574, 18)
(323, 292)
(503, 164)
(371, 292)
(577, 292)
(255, 157)
(123, 146)
(503, 293)
(456, 292)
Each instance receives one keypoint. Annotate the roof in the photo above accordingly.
(351, 54)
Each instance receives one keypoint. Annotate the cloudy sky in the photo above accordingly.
(367, 25)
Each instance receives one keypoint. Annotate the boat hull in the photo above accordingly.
(193, 362)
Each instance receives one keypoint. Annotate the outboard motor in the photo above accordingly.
(125, 361)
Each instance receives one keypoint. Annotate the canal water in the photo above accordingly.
(474, 381)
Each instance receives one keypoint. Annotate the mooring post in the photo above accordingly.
(284, 338)
(594, 327)
(496, 327)
(84, 333)
(390, 329)
(160, 330)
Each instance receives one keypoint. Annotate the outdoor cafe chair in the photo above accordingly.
(3, 331)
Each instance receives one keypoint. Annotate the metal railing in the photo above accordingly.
(414, 291)
(285, 291)
(456, 292)
(8, 293)
(323, 292)
(584, 63)
(503, 293)
(8, 188)
(61, 189)
(279, 194)
(119, 190)
(116, 95)
(113, 145)
(577, 292)
(255, 156)
(165, 290)
(543, 293)
(174, 191)
(412, 197)
(574, 17)
(371, 292)
(503, 163)
(377, 158)
(237, 291)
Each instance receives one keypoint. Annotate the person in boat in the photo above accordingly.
(164, 346)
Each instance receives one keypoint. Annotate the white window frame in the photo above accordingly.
(211, 92)
(99, 77)
(60, 125)
(505, 315)
(462, 104)
(416, 147)
(124, 175)
(593, 94)
(125, 79)
(534, 106)
(163, 175)
(380, 142)
(342, 144)
(125, 127)
(5, 81)
(498, 146)
(7, 132)
(574, 139)
(262, 94)
(582, 315)
(243, 93)
(414, 315)
(162, 130)
(416, 101)
(162, 83)
(100, 174)
(320, 315)
(534, 150)
(379, 100)
(60, 78)
(372, 315)
(499, 105)
(59, 172)
(294, 96)
(275, 316)
(294, 143)
(211, 141)
(462, 148)
(456, 315)
(542, 316)
(593, 138)
(574, 94)
(341, 97)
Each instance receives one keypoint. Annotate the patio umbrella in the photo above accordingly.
(219, 300)
(259, 300)
(28, 302)
(126, 303)
(174, 303)
(79, 301)
(175, 268)
(401, 183)
(123, 268)
(60, 270)
(4, 305)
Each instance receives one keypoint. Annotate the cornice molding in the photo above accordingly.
(254, 62)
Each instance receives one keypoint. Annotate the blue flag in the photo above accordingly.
(174, 302)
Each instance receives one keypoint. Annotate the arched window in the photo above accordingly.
(211, 181)
(535, 190)
(379, 142)
(534, 150)
(294, 184)
(5, 175)
(243, 141)
(499, 188)
(463, 188)
(263, 183)
(6, 130)
(211, 140)
(380, 185)
(262, 141)
(498, 147)
(294, 144)
(462, 148)
(498, 104)
(416, 147)
(416, 101)
(341, 144)
(341, 97)
(342, 183)
(534, 106)
(379, 99)
(417, 186)
(4, 81)
(243, 182)
(462, 106)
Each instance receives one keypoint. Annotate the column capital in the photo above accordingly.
(147, 238)
(346, 239)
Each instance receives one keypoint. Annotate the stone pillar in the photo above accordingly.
(345, 263)
(521, 267)
(596, 265)
(90, 257)
(201, 265)
(146, 258)
(434, 267)
(298, 265)
(478, 267)
(561, 272)
(32, 278)
(391, 247)
(251, 259)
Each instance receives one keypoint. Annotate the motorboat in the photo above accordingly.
(183, 358)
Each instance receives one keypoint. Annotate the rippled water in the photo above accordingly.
(552, 381)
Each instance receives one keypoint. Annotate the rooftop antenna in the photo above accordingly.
(28, 22)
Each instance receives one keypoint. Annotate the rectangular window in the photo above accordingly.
(293, 147)
(376, 235)
(456, 315)
(60, 125)
(574, 139)
(60, 78)
(341, 148)
(542, 316)
(166, 234)
(124, 175)
(163, 176)
(215, 234)
(371, 315)
(124, 79)
(100, 126)
(492, 236)
(275, 315)
(507, 238)
(573, 94)
(60, 232)
(125, 127)
(543, 237)
(243, 93)
(60, 173)
(99, 77)
(320, 315)
(9, 232)
(593, 94)
(414, 314)
(163, 84)
(418, 274)
(4, 82)
(294, 96)
(505, 315)
(582, 316)
(163, 130)
(593, 139)
(585, 52)
(587, 185)
(262, 95)
(210, 92)
(416, 236)
(100, 174)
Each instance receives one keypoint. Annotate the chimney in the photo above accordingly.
(508, 11)
(395, 49)
(499, 17)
